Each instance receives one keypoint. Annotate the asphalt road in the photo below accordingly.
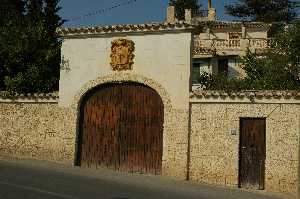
(40, 180)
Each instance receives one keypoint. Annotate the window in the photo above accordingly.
(196, 73)
(199, 66)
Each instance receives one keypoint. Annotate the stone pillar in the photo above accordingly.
(188, 15)
(244, 32)
(171, 14)
(207, 33)
(212, 14)
(244, 41)
(244, 46)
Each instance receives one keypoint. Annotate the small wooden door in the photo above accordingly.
(122, 128)
(252, 153)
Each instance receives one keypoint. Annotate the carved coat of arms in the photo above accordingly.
(122, 54)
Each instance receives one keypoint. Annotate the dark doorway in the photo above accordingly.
(223, 66)
(121, 127)
(252, 153)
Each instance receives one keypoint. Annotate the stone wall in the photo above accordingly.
(175, 141)
(215, 151)
(45, 131)
(38, 130)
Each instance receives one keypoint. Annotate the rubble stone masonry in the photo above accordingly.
(215, 151)
(38, 130)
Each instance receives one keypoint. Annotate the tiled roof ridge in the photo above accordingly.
(267, 94)
(124, 28)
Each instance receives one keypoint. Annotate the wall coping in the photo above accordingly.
(126, 28)
(29, 98)
(263, 96)
(152, 27)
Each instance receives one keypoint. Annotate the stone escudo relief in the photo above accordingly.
(122, 54)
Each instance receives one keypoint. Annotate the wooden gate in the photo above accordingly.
(252, 153)
(121, 128)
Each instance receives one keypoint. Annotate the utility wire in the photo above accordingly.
(101, 11)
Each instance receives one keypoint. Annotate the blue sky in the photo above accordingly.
(140, 11)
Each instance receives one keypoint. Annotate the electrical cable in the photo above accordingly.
(100, 11)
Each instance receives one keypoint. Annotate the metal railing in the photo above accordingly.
(200, 13)
(259, 43)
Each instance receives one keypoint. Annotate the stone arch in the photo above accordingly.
(121, 77)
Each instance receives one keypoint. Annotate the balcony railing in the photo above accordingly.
(227, 44)
(206, 45)
(259, 43)
(200, 13)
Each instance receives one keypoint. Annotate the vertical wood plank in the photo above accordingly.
(122, 128)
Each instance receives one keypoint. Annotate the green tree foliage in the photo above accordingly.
(264, 10)
(29, 47)
(11, 10)
(220, 82)
(181, 5)
(11, 14)
(277, 69)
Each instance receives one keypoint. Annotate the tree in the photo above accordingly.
(181, 5)
(11, 10)
(11, 16)
(35, 10)
(279, 68)
(264, 10)
(30, 51)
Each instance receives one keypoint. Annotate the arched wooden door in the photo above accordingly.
(121, 127)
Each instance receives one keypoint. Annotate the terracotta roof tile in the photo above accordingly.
(181, 25)
(29, 96)
(198, 93)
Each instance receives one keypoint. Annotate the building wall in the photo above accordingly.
(215, 151)
(210, 65)
(37, 130)
(162, 61)
(225, 51)
(155, 58)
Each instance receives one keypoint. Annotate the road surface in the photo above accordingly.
(39, 180)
